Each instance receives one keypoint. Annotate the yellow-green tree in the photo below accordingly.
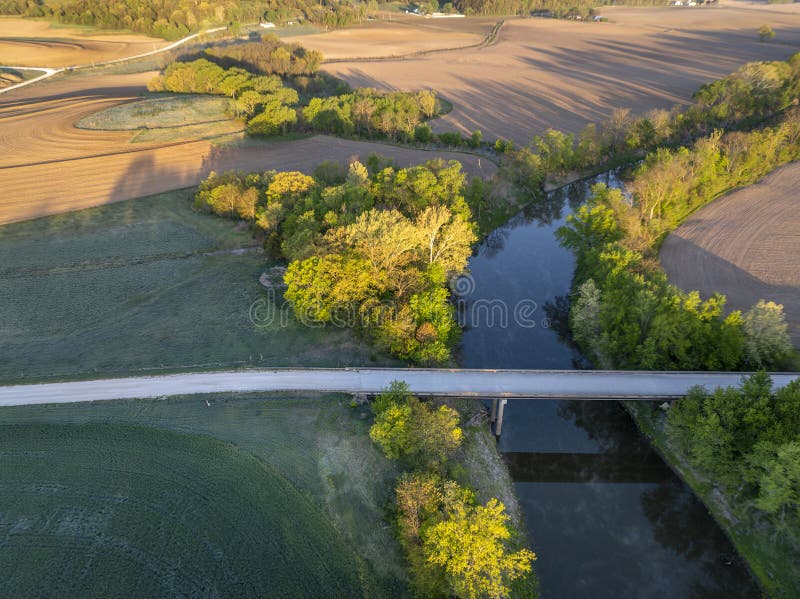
(406, 428)
(471, 545)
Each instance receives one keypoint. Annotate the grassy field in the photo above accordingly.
(158, 111)
(167, 119)
(139, 474)
(144, 285)
(184, 497)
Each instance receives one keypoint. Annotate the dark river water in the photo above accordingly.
(605, 515)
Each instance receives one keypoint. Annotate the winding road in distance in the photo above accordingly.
(530, 384)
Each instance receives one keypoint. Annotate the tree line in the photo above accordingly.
(261, 100)
(373, 249)
(454, 545)
(266, 55)
(746, 97)
(262, 77)
(173, 19)
(552, 8)
(748, 441)
(625, 313)
(369, 113)
(751, 95)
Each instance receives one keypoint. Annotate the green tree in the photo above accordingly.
(393, 430)
(779, 487)
(767, 342)
(409, 429)
(275, 119)
(585, 321)
(765, 33)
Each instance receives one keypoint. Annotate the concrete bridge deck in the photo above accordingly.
(503, 384)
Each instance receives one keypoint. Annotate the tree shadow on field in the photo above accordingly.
(691, 267)
(556, 86)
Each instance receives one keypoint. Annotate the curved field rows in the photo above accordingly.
(399, 37)
(24, 42)
(48, 166)
(745, 245)
(546, 73)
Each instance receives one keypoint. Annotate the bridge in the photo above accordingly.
(429, 382)
(498, 385)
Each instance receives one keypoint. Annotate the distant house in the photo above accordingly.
(267, 25)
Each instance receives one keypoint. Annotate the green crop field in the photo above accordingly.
(246, 496)
(142, 285)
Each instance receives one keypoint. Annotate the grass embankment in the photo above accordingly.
(9, 77)
(167, 118)
(772, 562)
(144, 285)
(261, 490)
(243, 495)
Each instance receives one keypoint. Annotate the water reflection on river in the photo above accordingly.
(605, 515)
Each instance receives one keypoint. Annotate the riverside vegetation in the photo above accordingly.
(328, 226)
(454, 546)
(736, 447)
(747, 442)
(368, 248)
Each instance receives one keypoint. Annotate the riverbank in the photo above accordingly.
(602, 301)
(774, 565)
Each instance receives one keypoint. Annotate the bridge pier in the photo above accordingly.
(493, 411)
(501, 408)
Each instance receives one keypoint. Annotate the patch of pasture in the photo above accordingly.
(147, 285)
(159, 112)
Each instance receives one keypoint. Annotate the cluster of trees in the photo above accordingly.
(671, 184)
(262, 100)
(263, 77)
(748, 441)
(455, 547)
(326, 13)
(367, 112)
(173, 19)
(625, 314)
(28, 8)
(266, 56)
(372, 250)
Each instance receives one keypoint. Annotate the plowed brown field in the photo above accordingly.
(545, 73)
(26, 43)
(48, 166)
(406, 35)
(745, 245)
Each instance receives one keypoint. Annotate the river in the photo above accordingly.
(604, 514)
